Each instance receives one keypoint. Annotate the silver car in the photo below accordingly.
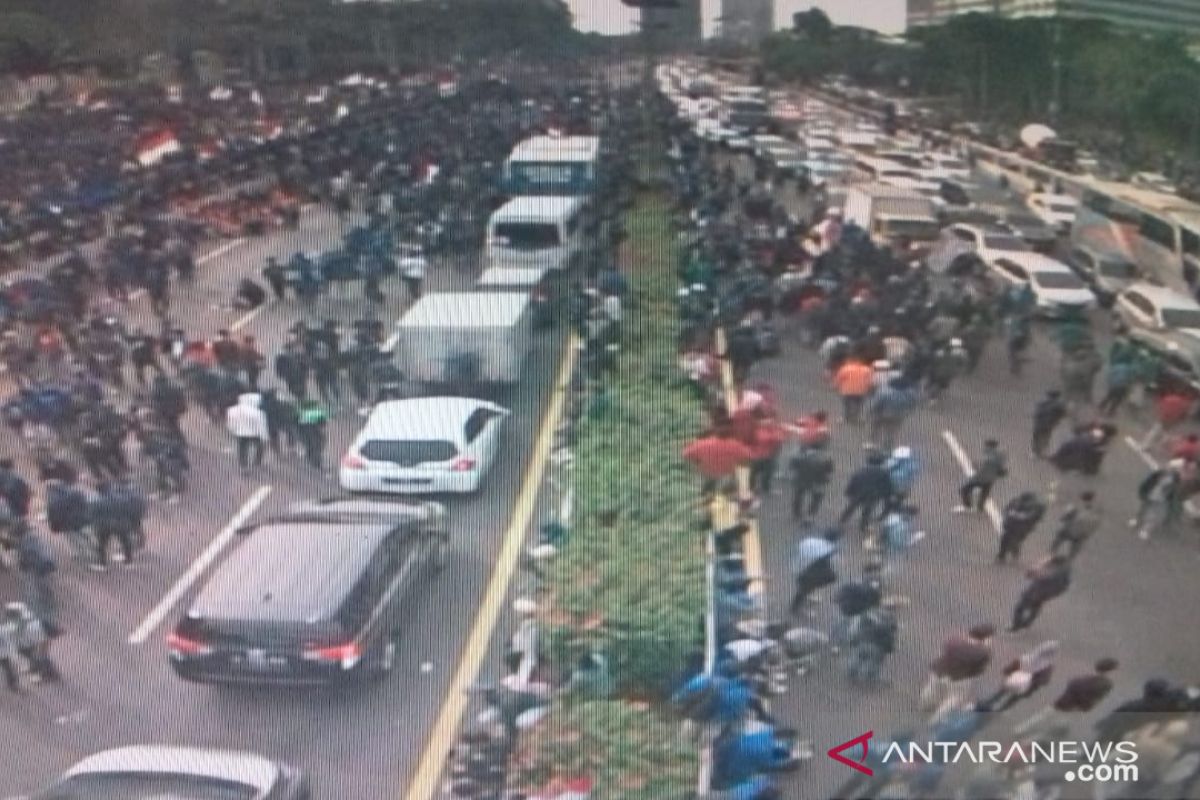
(150, 772)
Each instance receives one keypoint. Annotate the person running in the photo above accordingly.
(1047, 581)
(991, 467)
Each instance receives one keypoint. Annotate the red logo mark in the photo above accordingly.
(858, 741)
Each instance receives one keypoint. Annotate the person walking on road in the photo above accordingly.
(812, 566)
(853, 381)
(811, 468)
(32, 639)
(867, 492)
(1078, 524)
(292, 367)
(873, 638)
(1159, 500)
(1049, 412)
(1081, 695)
(110, 523)
(963, 658)
(1170, 409)
(1021, 516)
(1023, 677)
(247, 422)
(991, 467)
(310, 426)
(1047, 581)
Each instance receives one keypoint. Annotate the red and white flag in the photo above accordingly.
(155, 146)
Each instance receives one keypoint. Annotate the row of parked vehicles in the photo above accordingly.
(938, 205)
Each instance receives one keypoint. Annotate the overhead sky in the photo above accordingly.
(612, 16)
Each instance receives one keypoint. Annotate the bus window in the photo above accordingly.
(1159, 231)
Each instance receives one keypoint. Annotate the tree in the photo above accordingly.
(813, 25)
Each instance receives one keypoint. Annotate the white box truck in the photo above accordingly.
(464, 338)
(903, 219)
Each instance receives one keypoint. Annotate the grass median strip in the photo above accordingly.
(629, 583)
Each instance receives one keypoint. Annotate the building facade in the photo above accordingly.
(747, 21)
(1149, 16)
(673, 27)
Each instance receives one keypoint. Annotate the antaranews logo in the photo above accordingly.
(1100, 762)
(863, 742)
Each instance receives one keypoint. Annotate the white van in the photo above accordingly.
(533, 231)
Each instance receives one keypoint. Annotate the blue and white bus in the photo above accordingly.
(552, 165)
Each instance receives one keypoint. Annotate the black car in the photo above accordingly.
(1036, 233)
(150, 772)
(313, 596)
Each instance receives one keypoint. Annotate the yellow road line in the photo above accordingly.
(726, 515)
(425, 783)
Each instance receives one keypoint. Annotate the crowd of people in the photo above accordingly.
(891, 337)
(103, 414)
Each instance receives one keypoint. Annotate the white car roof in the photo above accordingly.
(1161, 296)
(422, 418)
(246, 768)
(1047, 197)
(1035, 262)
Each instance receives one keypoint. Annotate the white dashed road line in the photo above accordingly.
(197, 568)
(225, 248)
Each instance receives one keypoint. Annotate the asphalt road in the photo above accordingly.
(354, 743)
(1131, 600)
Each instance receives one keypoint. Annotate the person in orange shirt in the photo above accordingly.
(853, 382)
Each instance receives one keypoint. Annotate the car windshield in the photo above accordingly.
(1062, 208)
(527, 235)
(1023, 221)
(1181, 317)
(918, 229)
(1004, 242)
(129, 786)
(1058, 280)
(1118, 269)
(409, 452)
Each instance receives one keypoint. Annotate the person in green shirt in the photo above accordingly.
(311, 429)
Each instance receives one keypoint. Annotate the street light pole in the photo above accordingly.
(1056, 63)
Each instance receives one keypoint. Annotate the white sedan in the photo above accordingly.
(1056, 288)
(424, 445)
(1056, 210)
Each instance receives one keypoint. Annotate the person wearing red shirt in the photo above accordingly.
(716, 457)
(1187, 448)
(1170, 408)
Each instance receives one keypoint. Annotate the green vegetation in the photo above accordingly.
(281, 37)
(630, 752)
(630, 584)
(1131, 92)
